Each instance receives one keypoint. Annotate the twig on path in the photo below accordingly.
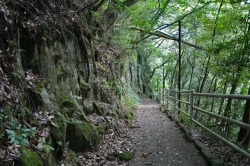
(134, 127)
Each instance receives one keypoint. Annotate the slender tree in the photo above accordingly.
(244, 135)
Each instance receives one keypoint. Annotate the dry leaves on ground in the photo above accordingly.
(225, 153)
(110, 143)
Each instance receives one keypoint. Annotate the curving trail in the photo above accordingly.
(158, 141)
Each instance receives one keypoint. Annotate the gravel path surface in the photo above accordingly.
(158, 141)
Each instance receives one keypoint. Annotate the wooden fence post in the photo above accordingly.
(191, 111)
(167, 100)
(175, 104)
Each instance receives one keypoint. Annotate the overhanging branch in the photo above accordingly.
(182, 17)
(153, 72)
(167, 36)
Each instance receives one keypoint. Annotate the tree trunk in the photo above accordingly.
(244, 136)
(163, 84)
(229, 101)
(214, 90)
(172, 78)
(212, 105)
(179, 71)
(205, 74)
(222, 100)
(191, 77)
(207, 102)
(228, 110)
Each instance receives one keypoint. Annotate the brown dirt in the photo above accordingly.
(158, 141)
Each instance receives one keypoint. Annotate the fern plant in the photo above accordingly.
(19, 135)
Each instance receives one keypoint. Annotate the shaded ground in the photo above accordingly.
(112, 142)
(158, 141)
(227, 155)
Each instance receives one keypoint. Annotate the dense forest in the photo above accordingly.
(78, 67)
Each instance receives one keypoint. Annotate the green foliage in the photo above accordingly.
(130, 103)
(43, 146)
(147, 14)
(19, 135)
(129, 115)
(131, 100)
(184, 118)
(244, 88)
(39, 86)
(3, 120)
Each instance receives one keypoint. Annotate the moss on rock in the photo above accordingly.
(104, 109)
(66, 101)
(85, 136)
(50, 159)
(29, 158)
(125, 155)
(84, 85)
(39, 86)
(88, 106)
(59, 132)
(27, 115)
(72, 155)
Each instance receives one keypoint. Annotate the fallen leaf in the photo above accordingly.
(143, 156)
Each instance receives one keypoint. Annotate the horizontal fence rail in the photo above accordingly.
(232, 96)
(192, 107)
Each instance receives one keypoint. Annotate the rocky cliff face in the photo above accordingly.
(58, 67)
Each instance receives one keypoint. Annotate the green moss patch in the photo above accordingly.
(66, 101)
(7, 110)
(84, 85)
(50, 159)
(59, 132)
(104, 109)
(125, 155)
(129, 115)
(88, 106)
(29, 158)
(82, 136)
(39, 86)
(72, 155)
(111, 158)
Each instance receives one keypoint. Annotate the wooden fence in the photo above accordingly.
(166, 98)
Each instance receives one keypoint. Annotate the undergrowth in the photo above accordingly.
(130, 101)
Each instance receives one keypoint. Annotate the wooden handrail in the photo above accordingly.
(192, 107)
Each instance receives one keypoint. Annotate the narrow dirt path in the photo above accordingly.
(158, 141)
